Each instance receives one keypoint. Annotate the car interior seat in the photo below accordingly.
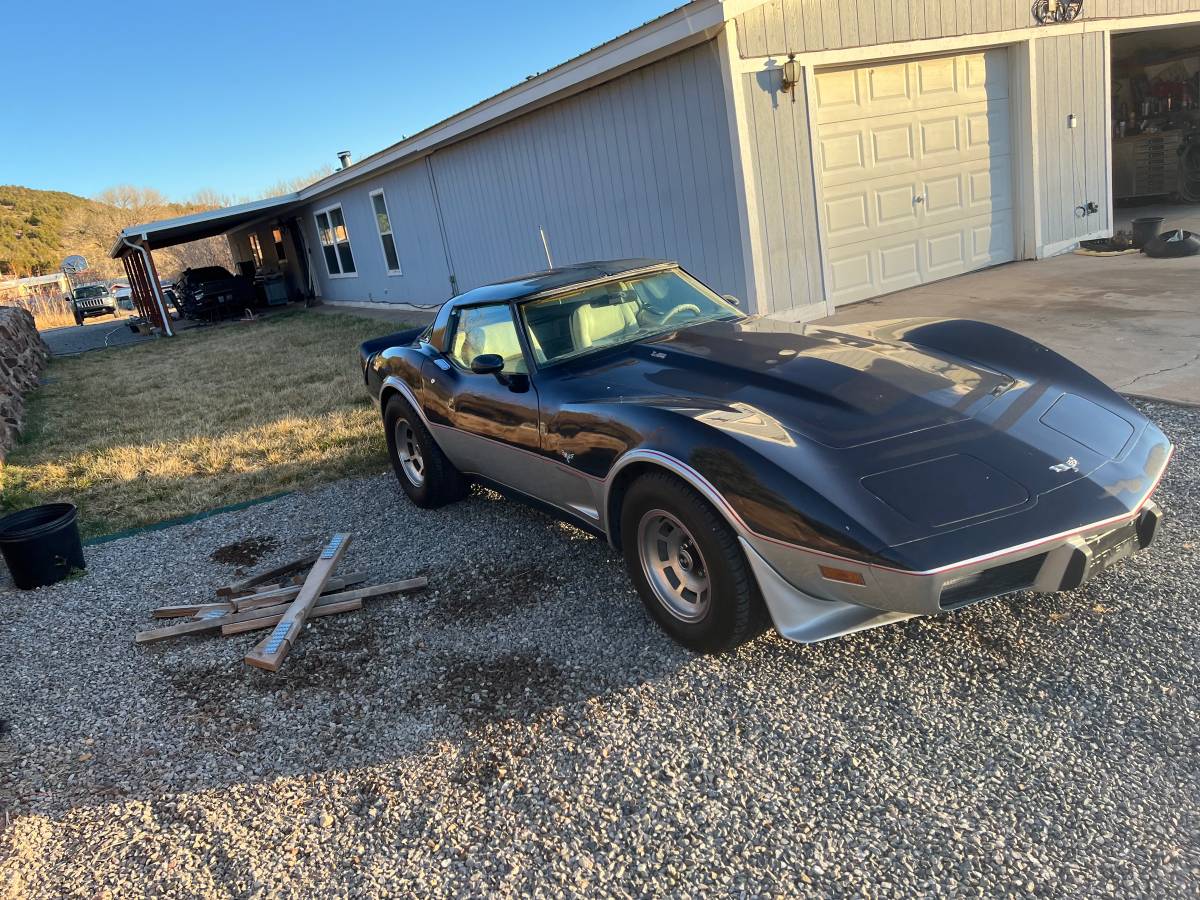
(598, 323)
(496, 337)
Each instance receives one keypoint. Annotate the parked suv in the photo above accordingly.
(92, 300)
(211, 292)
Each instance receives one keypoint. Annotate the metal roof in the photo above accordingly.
(193, 227)
(688, 25)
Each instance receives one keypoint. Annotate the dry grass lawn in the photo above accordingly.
(213, 417)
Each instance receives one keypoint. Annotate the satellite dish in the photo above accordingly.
(73, 265)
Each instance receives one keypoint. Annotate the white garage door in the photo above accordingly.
(915, 170)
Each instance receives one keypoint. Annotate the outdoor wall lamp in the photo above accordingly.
(791, 75)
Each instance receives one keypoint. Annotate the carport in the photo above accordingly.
(135, 247)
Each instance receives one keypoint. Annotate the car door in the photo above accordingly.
(486, 424)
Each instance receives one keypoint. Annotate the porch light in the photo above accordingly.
(791, 75)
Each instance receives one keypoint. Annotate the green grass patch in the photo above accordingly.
(216, 416)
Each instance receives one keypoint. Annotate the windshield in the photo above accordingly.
(620, 311)
(91, 290)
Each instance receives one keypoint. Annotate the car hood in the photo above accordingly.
(839, 389)
(906, 438)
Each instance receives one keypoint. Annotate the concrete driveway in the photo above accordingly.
(1134, 322)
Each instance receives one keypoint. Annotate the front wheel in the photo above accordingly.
(687, 566)
(424, 472)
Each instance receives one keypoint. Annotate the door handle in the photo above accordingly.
(920, 198)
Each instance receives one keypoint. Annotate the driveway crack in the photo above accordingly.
(1184, 364)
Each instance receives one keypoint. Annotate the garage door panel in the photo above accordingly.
(958, 247)
(937, 79)
(990, 185)
(992, 240)
(847, 219)
(959, 192)
(892, 144)
(858, 212)
(909, 141)
(848, 94)
(945, 195)
(915, 171)
(874, 267)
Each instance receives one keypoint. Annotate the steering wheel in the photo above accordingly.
(681, 308)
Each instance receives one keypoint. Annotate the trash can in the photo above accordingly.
(41, 545)
(1145, 230)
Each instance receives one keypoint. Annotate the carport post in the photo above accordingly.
(135, 290)
(158, 293)
(142, 264)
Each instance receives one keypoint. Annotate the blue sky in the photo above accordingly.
(237, 96)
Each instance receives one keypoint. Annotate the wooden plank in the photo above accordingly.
(199, 626)
(247, 584)
(271, 652)
(288, 594)
(392, 587)
(262, 622)
(189, 609)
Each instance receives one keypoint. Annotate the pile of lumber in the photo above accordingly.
(281, 600)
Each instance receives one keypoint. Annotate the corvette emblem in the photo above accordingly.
(1071, 465)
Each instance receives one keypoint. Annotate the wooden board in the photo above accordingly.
(189, 609)
(247, 584)
(275, 613)
(324, 609)
(270, 653)
(288, 594)
(199, 626)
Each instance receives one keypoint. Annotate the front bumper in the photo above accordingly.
(806, 605)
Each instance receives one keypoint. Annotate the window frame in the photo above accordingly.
(454, 321)
(256, 253)
(379, 192)
(280, 252)
(325, 210)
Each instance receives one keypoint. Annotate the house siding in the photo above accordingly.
(424, 278)
(641, 166)
(786, 226)
(797, 26)
(1073, 163)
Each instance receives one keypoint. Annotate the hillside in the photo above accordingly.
(31, 228)
(39, 229)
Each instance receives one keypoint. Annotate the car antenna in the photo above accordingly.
(546, 247)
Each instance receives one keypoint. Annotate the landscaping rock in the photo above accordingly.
(23, 356)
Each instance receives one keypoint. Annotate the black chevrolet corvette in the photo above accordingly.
(823, 479)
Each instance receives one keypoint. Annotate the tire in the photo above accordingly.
(78, 317)
(666, 564)
(424, 472)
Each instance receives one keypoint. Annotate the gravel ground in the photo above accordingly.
(522, 728)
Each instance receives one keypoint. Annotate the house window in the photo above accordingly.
(335, 242)
(384, 223)
(256, 250)
(277, 236)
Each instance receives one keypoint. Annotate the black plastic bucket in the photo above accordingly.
(41, 545)
(1145, 230)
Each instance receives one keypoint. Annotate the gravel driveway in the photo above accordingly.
(522, 728)
(91, 335)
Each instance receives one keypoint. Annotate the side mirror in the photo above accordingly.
(487, 364)
(731, 300)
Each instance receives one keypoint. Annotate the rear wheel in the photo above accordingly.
(424, 472)
(687, 566)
